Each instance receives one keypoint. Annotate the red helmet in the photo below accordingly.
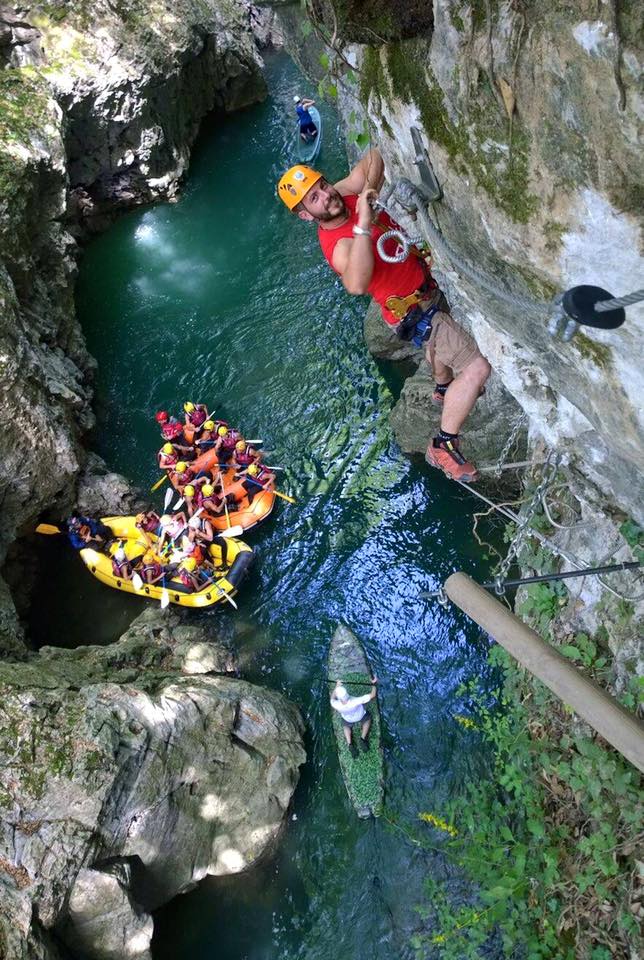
(161, 416)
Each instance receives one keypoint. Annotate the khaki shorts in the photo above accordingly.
(448, 343)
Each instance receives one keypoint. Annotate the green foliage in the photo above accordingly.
(549, 840)
(542, 603)
(478, 146)
(634, 536)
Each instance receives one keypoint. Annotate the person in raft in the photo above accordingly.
(171, 429)
(408, 295)
(308, 130)
(352, 710)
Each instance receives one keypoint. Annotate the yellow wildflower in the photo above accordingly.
(465, 722)
(439, 938)
(439, 823)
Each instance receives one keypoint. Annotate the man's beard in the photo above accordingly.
(336, 204)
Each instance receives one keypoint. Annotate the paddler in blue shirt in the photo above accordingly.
(308, 130)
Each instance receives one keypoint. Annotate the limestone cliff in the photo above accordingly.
(99, 105)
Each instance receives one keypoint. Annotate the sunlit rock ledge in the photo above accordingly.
(130, 772)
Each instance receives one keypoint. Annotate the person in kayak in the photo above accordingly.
(308, 130)
(409, 297)
(352, 710)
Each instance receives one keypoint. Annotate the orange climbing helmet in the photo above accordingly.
(296, 183)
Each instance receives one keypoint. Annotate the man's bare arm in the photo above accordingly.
(353, 259)
(369, 172)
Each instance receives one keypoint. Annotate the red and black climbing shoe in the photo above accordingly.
(445, 455)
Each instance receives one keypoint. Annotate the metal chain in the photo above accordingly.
(615, 302)
(514, 433)
(525, 519)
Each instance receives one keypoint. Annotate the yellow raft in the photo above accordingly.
(230, 571)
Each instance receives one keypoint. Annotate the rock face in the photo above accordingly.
(91, 121)
(116, 757)
(531, 122)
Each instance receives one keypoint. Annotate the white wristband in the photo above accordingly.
(360, 232)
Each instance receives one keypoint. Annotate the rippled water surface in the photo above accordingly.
(224, 298)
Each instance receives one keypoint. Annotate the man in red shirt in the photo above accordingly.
(348, 233)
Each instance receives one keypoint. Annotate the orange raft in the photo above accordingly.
(245, 514)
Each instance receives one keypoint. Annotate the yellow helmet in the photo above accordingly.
(149, 557)
(189, 407)
(253, 470)
(209, 425)
(296, 183)
(189, 564)
(167, 448)
(207, 489)
(222, 431)
(181, 467)
(188, 490)
(240, 445)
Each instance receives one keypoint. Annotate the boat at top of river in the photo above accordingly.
(231, 559)
(364, 775)
(246, 513)
(307, 151)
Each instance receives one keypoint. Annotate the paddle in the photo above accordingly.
(48, 529)
(137, 582)
(282, 496)
(178, 504)
(169, 494)
(158, 484)
(223, 493)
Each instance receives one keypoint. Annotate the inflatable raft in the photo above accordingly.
(245, 514)
(231, 558)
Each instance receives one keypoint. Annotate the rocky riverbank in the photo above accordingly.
(129, 772)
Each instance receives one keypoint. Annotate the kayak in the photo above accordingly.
(364, 776)
(231, 557)
(307, 152)
(246, 514)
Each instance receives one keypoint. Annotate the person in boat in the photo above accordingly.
(244, 455)
(212, 498)
(171, 428)
(208, 435)
(353, 710)
(256, 477)
(411, 302)
(227, 437)
(171, 528)
(200, 529)
(196, 415)
(180, 475)
(121, 566)
(188, 574)
(171, 453)
(147, 522)
(151, 570)
(87, 532)
(308, 129)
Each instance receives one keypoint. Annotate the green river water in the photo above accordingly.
(224, 298)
